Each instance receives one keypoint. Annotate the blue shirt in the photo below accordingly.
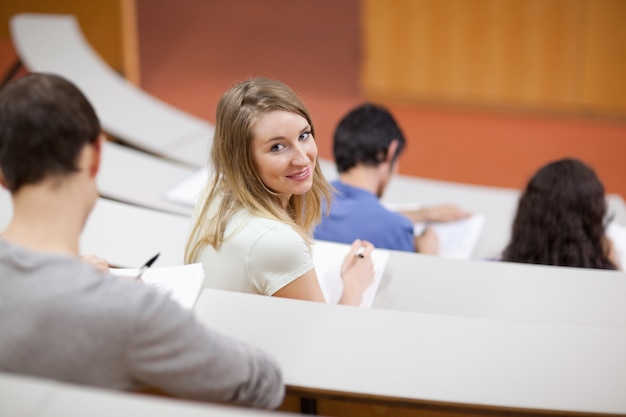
(356, 213)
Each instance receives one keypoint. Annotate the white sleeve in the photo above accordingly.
(278, 257)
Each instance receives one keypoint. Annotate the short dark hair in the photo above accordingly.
(363, 136)
(560, 218)
(45, 121)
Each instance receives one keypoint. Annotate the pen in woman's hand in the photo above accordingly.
(146, 266)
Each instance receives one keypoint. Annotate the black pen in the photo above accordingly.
(146, 266)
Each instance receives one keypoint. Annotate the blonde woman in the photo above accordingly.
(252, 226)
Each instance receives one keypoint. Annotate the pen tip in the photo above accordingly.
(154, 258)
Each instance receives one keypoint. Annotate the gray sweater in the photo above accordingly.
(62, 319)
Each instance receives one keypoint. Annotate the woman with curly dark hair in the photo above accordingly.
(560, 219)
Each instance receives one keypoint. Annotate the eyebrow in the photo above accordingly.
(275, 138)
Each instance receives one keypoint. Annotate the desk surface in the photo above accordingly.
(135, 177)
(415, 357)
(503, 291)
(22, 396)
(127, 236)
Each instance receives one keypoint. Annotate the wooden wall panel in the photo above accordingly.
(604, 84)
(534, 54)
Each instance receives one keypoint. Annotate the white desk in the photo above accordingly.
(138, 178)
(127, 236)
(22, 396)
(418, 358)
(503, 291)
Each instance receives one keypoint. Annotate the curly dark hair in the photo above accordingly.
(560, 218)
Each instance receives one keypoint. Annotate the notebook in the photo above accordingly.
(183, 283)
(328, 258)
(617, 234)
(457, 239)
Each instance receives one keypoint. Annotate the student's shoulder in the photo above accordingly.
(279, 234)
(275, 238)
(261, 226)
(257, 234)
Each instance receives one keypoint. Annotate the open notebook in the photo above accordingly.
(456, 239)
(328, 258)
(183, 283)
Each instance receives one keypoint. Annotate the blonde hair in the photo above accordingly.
(235, 182)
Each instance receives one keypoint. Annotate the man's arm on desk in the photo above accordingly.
(440, 213)
(173, 352)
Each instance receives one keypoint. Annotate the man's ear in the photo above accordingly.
(2, 181)
(391, 151)
(97, 155)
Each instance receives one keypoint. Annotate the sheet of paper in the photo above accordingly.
(617, 234)
(328, 257)
(188, 190)
(183, 283)
(456, 239)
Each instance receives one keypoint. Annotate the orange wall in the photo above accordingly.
(192, 51)
(504, 149)
(558, 55)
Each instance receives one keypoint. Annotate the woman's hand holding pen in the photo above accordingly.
(357, 272)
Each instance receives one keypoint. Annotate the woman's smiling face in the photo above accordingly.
(284, 152)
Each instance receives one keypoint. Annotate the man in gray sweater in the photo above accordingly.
(62, 318)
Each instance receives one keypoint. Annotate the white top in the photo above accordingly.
(258, 256)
